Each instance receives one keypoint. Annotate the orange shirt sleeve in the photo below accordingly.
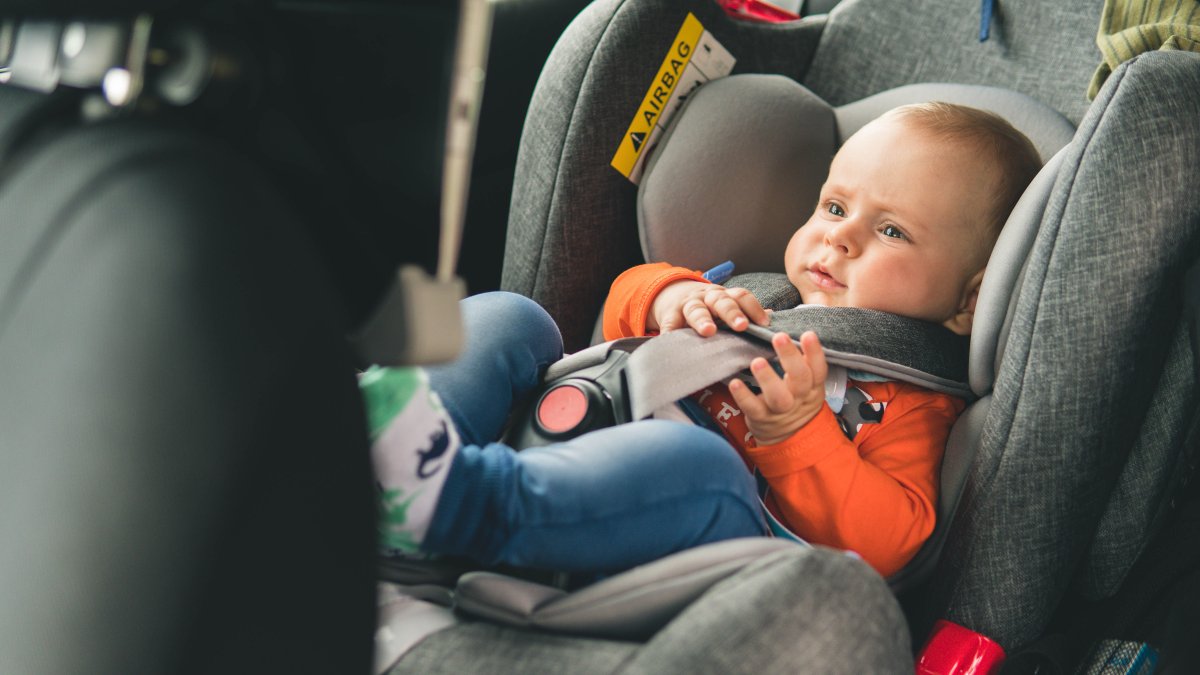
(875, 495)
(633, 292)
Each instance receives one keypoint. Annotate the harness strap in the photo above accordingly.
(671, 366)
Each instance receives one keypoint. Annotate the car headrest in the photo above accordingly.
(742, 164)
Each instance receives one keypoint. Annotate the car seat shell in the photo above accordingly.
(1090, 397)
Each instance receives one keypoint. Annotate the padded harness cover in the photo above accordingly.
(673, 365)
(896, 347)
(882, 343)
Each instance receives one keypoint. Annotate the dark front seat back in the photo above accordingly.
(183, 468)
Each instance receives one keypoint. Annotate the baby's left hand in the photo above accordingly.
(789, 402)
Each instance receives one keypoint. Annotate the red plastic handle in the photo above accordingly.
(954, 650)
(756, 10)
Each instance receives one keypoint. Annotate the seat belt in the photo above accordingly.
(673, 365)
(634, 378)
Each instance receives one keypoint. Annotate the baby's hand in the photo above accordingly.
(696, 304)
(789, 402)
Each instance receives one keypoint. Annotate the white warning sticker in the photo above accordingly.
(695, 57)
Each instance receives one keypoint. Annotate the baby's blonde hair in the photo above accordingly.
(989, 135)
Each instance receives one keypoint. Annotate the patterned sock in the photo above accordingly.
(413, 443)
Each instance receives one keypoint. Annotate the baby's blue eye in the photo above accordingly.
(836, 209)
(893, 231)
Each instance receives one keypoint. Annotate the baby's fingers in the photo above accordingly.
(799, 376)
(750, 305)
(722, 304)
(698, 316)
(814, 355)
(776, 394)
(750, 404)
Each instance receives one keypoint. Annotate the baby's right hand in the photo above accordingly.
(696, 304)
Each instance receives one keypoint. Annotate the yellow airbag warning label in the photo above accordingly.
(695, 57)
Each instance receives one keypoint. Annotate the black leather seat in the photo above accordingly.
(183, 465)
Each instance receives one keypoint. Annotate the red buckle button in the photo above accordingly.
(955, 650)
(562, 408)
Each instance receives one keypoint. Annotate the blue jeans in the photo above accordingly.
(605, 501)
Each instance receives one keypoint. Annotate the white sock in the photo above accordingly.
(413, 442)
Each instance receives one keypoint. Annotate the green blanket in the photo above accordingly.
(1130, 27)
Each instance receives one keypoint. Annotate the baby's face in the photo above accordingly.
(899, 226)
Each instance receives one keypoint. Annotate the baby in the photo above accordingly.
(905, 224)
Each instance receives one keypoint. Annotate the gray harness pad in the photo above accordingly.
(885, 344)
(877, 342)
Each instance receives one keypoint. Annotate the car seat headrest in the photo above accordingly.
(740, 168)
(997, 293)
(742, 164)
(1046, 128)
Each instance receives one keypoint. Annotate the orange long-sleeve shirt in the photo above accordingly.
(875, 495)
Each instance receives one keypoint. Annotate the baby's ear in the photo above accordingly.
(964, 317)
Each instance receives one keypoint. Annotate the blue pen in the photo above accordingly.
(721, 273)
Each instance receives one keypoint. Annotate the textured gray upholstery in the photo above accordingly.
(735, 174)
(742, 164)
(404, 620)
(993, 315)
(1046, 127)
(629, 606)
(1070, 397)
(789, 611)
(572, 225)
(1044, 49)
(1140, 499)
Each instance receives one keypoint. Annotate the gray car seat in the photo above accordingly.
(1086, 433)
(780, 155)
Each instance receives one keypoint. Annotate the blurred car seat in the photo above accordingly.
(183, 465)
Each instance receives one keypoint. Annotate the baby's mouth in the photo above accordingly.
(822, 278)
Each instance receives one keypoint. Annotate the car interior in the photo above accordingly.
(214, 213)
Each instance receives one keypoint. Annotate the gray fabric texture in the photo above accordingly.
(992, 310)
(887, 338)
(773, 290)
(718, 188)
(665, 368)
(487, 648)
(800, 610)
(585, 358)
(1045, 127)
(629, 606)
(403, 622)
(809, 611)
(572, 225)
(1092, 319)
(1137, 503)
(1043, 49)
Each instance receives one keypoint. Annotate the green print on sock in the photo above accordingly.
(393, 514)
(385, 392)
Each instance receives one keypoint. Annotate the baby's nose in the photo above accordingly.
(841, 237)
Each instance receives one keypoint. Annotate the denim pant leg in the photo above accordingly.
(606, 501)
(510, 340)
